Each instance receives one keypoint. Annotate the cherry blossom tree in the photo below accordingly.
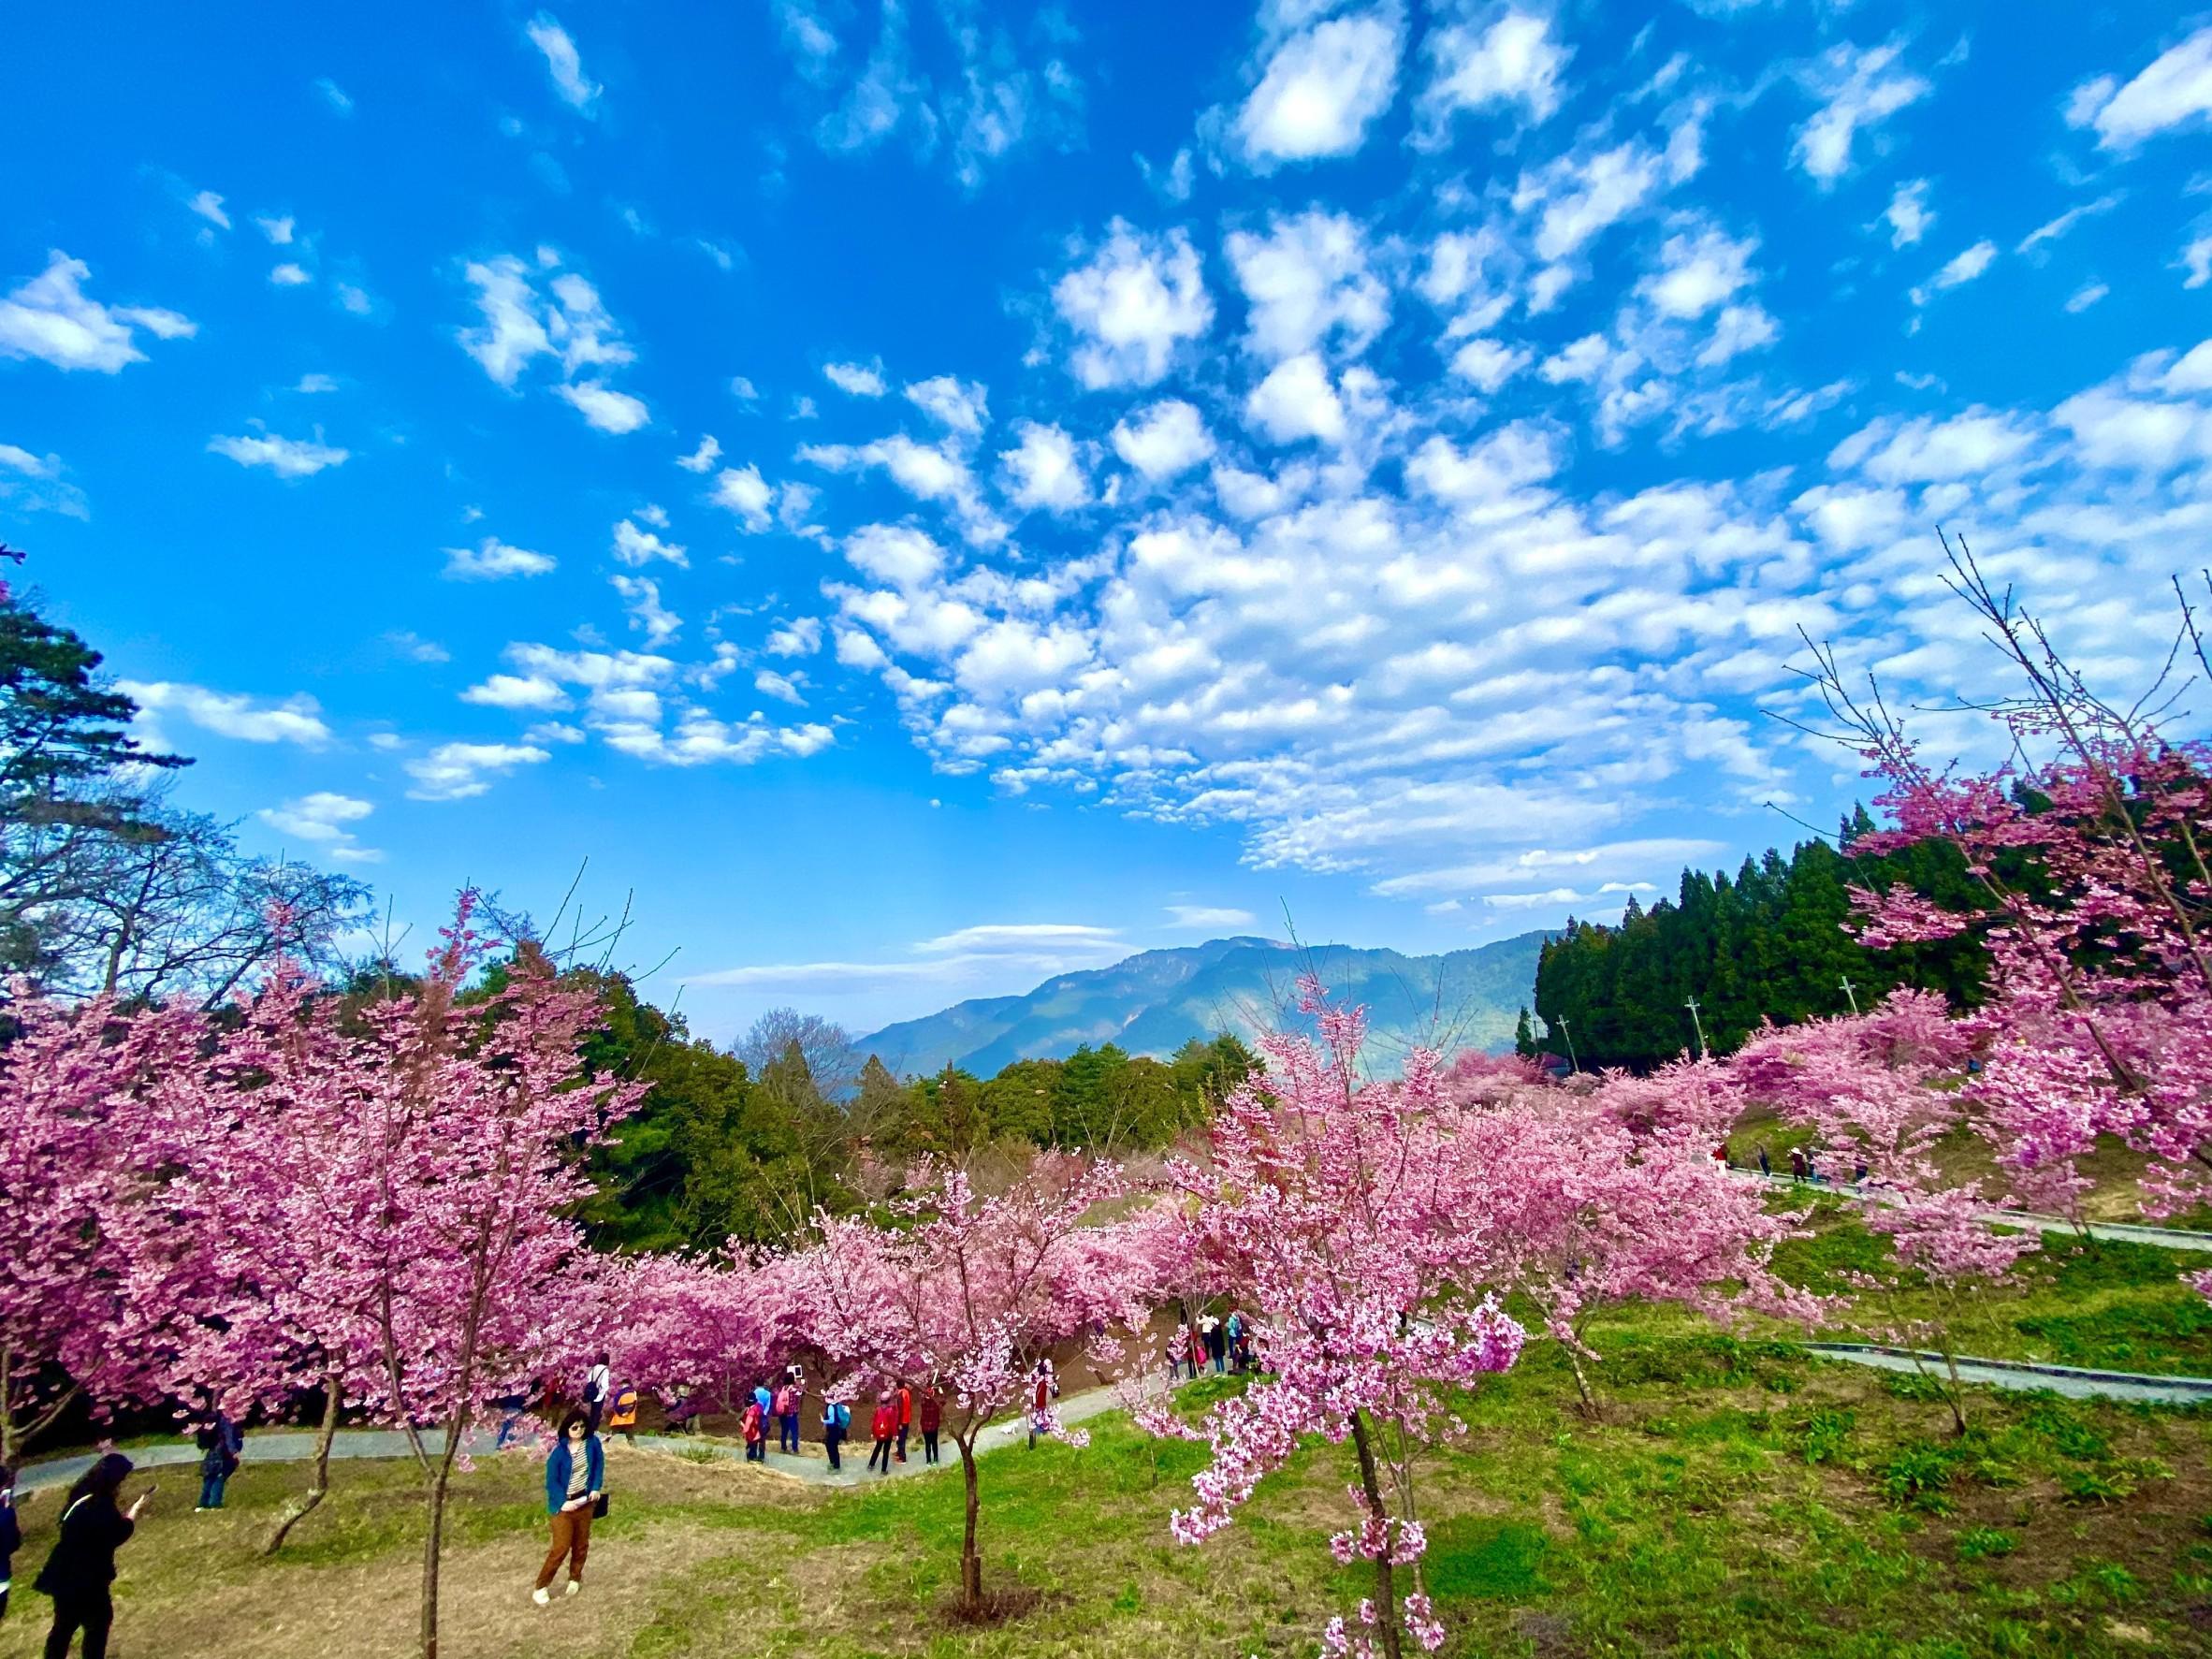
(1875, 1090)
(396, 1181)
(1347, 1214)
(966, 1291)
(86, 1305)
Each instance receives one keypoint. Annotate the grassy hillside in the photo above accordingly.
(1734, 1497)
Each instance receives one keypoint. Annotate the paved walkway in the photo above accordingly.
(2165, 1238)
(811, 1466)
(2071, 1380)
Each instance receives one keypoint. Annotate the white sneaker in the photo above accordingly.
(574, 1585)
(542, 1598)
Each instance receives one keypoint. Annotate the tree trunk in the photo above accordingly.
(1582, 1383)
(319, 1483)
(1386, 1593)
(971, 1561)
(441, 1479)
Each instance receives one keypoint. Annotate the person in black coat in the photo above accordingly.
(83, 1565)
(11, 1534)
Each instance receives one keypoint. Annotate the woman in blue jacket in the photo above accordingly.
(576, 1487)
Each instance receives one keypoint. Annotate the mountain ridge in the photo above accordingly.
(1152, 1002)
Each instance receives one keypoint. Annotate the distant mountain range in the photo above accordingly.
(1154, 1002)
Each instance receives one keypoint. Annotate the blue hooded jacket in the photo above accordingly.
(561, 1461)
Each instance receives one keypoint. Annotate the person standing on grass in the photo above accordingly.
(83, 1567)
(1046, 1390)
(754, 1427)
(597, 1382)
(219, 1442)
(11, 1534)
(930, 1408)
(1198, 1352)
(1212, 1327)
(885, 1426)
(837, 1423)
(906, 1418)
(575, 1486)
(622, 1418)
(787, 1416)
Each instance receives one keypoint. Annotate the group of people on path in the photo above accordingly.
(1225, 1344)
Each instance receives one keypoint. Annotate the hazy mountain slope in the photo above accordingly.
(1152, 1003)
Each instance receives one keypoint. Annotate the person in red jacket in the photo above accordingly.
(932, 1412)
(755, 1428)
(906, 1418)
(1046, 1390)
(885, 1426)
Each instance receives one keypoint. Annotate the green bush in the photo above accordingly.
(1982, 1542)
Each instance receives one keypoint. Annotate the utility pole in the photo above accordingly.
(1702, 1052)
(1849, 991)
(1567, 1031)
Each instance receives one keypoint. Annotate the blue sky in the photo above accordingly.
(927, 495)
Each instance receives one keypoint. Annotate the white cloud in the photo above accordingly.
(779, 686)
(566, 321)
(2055, 228)
(1164, 440)
(335, 96)
(603, 407)
(576, 90)
(232, 714)
(743, 491)
(1513, 61)
(634, 547)
(898, 554)
(2197, 259)
(310, 384)
(287, 458)
(743, 390)
(702, 458)
(1908, 214)
(1022, 936)
(799, 637)
(1583, 193)
(278, 231)
(324, 819)
(959, 405)
(641, 598)
(33, 484)
(2173, 91)
(1489, 364)
(1202, 917)
(1320, 91)
(457, 771)
(1863, 87)
(289, 275)
(1133, 302)
(2085, 296)
(532, 692)
(493, 558)
(1967, 445)
(1043, 470)
(858, 379)
(208, 206)
(1296, 400)
(1959, 270)
(52, 319)
(1307, 280)
(1698, 271)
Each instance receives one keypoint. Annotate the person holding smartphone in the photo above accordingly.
(83, 1567)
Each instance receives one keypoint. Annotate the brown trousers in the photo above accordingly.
(571, 1538)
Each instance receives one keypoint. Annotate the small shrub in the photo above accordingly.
(2057, 1423)
(2095, 1486)
(1915, 1478)
(1822, 1436)
(1983, 1542)
(1913, 1385)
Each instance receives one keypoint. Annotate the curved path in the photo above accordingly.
(811, 1466)
(2071, 1380)
(2165, 1238)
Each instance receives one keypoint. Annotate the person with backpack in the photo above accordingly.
(83, 1567)
(220, 1443)
(764, 1397)
(598, 1381)
(837, 1423)
(754, 1427)
(1046, 1390)
(885, 1427)
(906, 1418)
(11, 1534)
(930, 1408)
(1236, 1340)
(575, 1496)
(622, 1418)
(787, 1416)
